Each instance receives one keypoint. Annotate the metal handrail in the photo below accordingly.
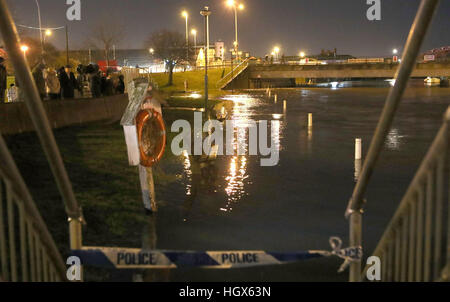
(37, 112)
(41, 124)
(233, 73)
(35, 238)
(425, 195)
(356, 203)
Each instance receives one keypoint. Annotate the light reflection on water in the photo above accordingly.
(237, 178)
(394, 140)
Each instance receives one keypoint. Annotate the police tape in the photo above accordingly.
(126, 258)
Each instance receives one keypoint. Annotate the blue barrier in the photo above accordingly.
(126, 258)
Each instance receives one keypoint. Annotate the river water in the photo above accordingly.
(299, 203)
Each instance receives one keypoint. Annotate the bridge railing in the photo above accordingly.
(416, 243)
(27, 250)
(232, 74)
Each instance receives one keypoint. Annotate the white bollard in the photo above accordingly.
(358, 148)
(310, 120)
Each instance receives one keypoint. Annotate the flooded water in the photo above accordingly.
(235, 204)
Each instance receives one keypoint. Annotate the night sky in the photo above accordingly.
(294, 25)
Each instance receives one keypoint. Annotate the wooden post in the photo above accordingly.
(148, 188)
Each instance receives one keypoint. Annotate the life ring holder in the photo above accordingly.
(143, 117)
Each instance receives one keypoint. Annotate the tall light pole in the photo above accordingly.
(235, 7)
(24, 49)
(186, 16)
(206, 13)
(194, 33)
(48, 33)
(276, 50)
(40, 28)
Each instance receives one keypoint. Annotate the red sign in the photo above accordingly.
(429, 58)
(112, 65)
(395, 59)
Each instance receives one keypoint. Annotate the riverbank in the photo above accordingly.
(195, 80)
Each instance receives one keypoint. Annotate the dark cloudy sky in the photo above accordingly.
(294, 25)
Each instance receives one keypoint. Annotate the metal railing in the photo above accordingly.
(416, 245)
(16, 191)
(27, 250)
(356, 204)
(232, 74)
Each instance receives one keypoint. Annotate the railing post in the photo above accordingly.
(75, 230)
(355, 241)
(446, 272)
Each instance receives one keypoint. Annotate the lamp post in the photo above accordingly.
(186, 16)
(24, 49)
(40, 26)
(48, 33)
(235, 7)
(194, 33)
(206, 13)
(276, 51)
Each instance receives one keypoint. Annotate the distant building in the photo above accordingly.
(440, 54)
(220, 50)
(216, 55)
(331, 56)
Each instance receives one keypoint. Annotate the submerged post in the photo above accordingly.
(358, 149)
(355, 207)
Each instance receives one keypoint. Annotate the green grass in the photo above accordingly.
(195, 80)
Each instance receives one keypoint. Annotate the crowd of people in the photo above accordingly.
(3, 80)
(90, 82)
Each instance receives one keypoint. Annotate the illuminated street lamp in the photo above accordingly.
(302, 54)
(24, 49)
(235, 7)
(395, 51)
(276, 51)
(48, 33)
(186, 16)
(194, 33)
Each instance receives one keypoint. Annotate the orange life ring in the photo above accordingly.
(151, 145)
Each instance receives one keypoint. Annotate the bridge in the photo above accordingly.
(251, 75)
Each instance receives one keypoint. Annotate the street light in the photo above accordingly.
(206, 13)
(276, 50)
(48, 33)
(395, 51)
(186, 16)
(302, 54)
(194, 33)
(40, 26)
(24, 49)
(235, 7)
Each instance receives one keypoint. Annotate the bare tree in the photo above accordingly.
(105, 34)
(169, 46)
